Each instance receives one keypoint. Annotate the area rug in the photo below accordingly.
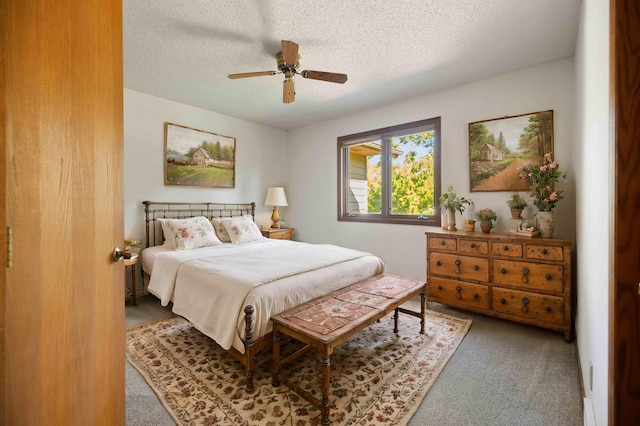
(377, 377)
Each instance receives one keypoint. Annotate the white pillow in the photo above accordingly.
(169, 241)
(192, 233)
(221, 231)
(242, 229)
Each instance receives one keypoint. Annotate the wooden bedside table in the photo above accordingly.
(278, 233)
(131, 262)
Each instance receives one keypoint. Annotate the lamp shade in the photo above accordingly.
(275, 197)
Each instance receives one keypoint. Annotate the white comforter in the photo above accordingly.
(211, 286)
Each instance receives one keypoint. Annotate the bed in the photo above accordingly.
(229, 286)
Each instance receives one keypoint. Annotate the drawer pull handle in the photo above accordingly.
(476, 295)
(543, 251)
(439, 287)
(505, 248)
(458, 262)
(548, 277)
(548, 309)
(438, 263)
(525, 302)
(524, 278)
(443, 243)
(473, 245)
(476, 267)
(503, 301)
(458, 290)
(503, 270)
(457, 268)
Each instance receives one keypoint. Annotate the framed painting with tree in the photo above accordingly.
(498, 149)
(198, 158)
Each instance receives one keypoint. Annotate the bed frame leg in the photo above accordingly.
(248, 346)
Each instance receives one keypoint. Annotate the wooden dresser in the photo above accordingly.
(522, 279)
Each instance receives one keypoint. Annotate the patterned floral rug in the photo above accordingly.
(377, 377)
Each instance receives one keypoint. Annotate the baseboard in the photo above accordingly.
(589, 413)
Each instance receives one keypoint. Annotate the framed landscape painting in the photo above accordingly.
(198, 158)
(498, 149)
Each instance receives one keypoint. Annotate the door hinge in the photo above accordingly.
(9, 247)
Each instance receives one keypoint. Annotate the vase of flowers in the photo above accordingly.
(541, 179)
(132, 247)
(450, 202)
(486, 218)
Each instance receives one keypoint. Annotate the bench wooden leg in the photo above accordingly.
(395, 320)
(326, 375)
(423, 308)
(275, 380)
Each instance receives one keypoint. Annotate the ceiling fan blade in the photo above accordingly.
(289, 52)
(252, 74)
(324, 76)
(288, 91)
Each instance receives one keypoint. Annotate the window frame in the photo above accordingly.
(385, 216)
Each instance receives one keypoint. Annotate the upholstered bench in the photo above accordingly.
(326, 322)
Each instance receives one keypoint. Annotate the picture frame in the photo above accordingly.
(195, 157)
(499, 147)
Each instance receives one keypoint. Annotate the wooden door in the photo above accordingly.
(62, 143)
(624, 348)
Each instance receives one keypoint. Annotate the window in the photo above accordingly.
(391, 175)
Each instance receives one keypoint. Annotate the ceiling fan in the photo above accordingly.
(288, 62)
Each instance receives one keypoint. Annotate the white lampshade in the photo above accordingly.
(275, 197)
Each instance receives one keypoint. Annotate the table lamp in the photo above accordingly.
(275, 198)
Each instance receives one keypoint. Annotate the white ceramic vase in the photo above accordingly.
(543, 222)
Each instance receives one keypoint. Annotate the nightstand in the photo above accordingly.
(131, 262)
(278, 233)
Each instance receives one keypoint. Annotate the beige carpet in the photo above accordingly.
(377, 377)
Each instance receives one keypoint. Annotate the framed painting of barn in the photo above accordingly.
(197, 158)
(498, 148)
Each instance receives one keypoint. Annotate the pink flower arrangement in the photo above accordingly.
(541, 179)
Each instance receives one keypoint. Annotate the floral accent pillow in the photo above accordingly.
(192, 233)
(242, 229)
(221, 231)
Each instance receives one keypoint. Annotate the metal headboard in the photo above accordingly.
(154, 210)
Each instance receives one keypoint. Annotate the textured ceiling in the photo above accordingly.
(390, 50)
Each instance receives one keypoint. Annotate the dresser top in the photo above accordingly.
(495, 236)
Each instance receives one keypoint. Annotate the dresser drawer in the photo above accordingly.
(473, 246)
(465, 267)
(281, 235)
(528, 305)
(528, 275)
(545, 252)
(278, 234)
(443, 243)
(458, 292)
(506, 249)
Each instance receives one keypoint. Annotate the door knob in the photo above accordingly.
(118, 254)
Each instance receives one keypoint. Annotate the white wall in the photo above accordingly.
(594, 180)
(261, 158)
(313, 159)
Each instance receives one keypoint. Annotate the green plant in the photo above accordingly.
(527, 225)
(541, 179)
(452, 202)
(486, 215)
(517, 201)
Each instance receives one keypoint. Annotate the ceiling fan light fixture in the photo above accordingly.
(288, 61)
